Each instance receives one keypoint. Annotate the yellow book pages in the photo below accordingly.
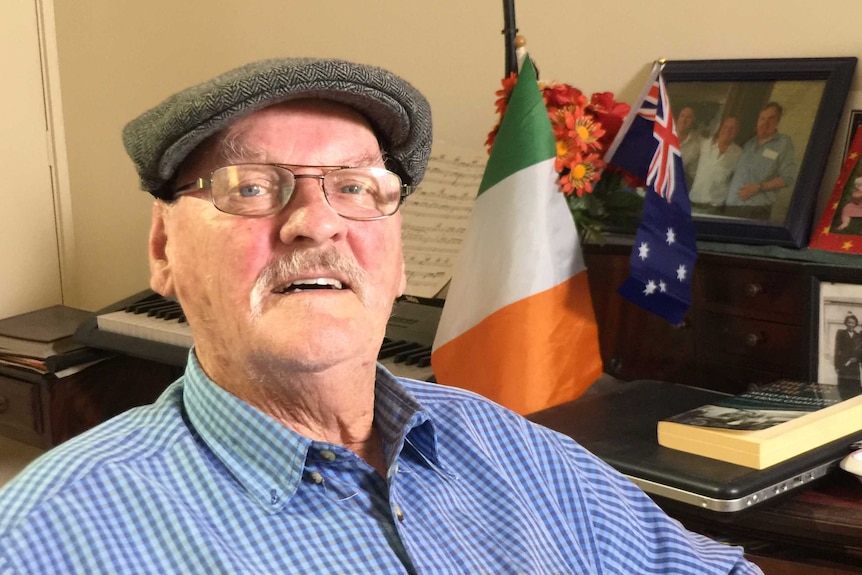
(761, 448)
(711, 449)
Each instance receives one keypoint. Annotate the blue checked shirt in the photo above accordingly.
(200, 482)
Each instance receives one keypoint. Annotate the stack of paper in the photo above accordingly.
(42, 340)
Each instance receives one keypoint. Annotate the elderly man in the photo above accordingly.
(766, 166)
(284, 447)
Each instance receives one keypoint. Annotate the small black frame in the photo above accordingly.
(835, 291)
(789, 224)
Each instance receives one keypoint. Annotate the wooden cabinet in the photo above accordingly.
(749, 322)
(42, 410)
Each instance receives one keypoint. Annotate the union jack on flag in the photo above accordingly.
(665, 251)
(662, 174)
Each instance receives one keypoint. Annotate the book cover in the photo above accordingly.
(765, 426)
(41, 333)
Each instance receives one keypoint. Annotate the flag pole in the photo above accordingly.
(510, 31)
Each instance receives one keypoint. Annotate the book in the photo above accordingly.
(42, 333)
(766, 425)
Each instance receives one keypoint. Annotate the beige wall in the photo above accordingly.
(119, 57)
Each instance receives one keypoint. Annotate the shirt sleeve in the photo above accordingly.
(787, 164)
(633, 533)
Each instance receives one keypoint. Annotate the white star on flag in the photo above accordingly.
(671, 236)
(650, 287)
(643, 251)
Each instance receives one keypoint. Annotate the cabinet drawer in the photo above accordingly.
(19, 408)
(767, 294)
(751, 343)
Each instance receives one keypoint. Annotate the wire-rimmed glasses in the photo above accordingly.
(362, 193)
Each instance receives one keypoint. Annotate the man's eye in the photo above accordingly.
(352, 189)
(251, 190)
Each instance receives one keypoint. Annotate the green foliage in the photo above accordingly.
(613, 206)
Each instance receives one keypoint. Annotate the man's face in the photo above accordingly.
(685, 120)
(728, 130)
(767, 123)
(245, 319)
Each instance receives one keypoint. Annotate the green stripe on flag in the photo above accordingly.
(525, 137)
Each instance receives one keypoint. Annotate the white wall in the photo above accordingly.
(29, 260)
(120, 57)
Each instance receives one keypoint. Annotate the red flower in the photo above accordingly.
(609, 113)
(562, 95)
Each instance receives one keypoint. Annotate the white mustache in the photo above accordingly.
(280, 271)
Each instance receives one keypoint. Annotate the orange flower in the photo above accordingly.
(580, 175)
(505, 92)
(583, 131)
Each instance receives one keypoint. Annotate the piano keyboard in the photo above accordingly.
(150, 326)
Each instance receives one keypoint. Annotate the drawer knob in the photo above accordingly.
(4, 403)
(752, 289)
(753, 339)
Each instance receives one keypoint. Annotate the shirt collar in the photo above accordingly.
(268, 459)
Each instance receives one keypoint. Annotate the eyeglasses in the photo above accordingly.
(264, 189)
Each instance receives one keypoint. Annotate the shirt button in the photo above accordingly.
(398, 513)
(316, 477)
(327, 455)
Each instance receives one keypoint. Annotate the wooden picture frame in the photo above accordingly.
(811, 93)
(840, 225)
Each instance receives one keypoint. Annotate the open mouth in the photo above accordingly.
(310, 284)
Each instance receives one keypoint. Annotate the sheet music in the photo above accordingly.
(435, 217)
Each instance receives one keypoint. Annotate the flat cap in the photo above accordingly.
(161, 138)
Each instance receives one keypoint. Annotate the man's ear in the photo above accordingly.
(161, 279)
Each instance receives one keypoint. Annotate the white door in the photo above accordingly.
(29, 257)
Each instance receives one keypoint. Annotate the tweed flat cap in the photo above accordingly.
(161, 138)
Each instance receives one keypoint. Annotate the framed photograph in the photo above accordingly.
(855, 122)
(840, 226)
(837, 327)
(755, 137)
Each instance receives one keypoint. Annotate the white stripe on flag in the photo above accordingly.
(520, 240)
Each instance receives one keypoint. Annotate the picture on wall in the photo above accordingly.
(754, 139)
(840, 226)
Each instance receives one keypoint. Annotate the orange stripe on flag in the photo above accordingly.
(535, 353)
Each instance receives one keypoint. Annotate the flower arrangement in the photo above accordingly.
(598, 195)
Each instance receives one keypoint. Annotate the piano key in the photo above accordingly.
(410, 357)
(392, 348)
(413, 359)
(408, 371)
(146, 327)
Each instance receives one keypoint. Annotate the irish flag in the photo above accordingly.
(518, 324)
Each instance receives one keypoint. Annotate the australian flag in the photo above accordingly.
(664, 253)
